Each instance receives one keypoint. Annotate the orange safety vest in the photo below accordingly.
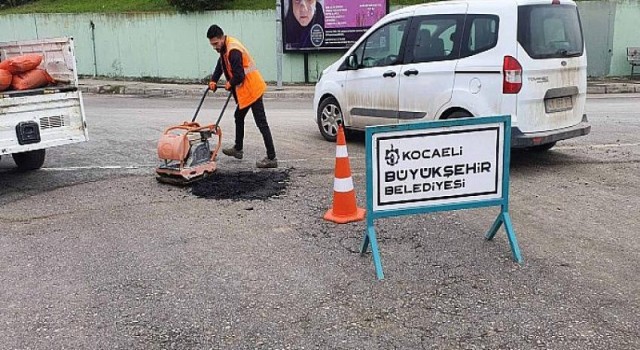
(253, 86)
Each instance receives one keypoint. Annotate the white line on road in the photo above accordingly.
(606, 145)
(108, 167)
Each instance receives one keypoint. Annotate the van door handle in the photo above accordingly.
(411, 72)
(388, 74)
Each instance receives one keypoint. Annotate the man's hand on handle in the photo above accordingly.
(213, 86)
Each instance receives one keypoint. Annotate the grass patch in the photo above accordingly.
(252, 4)
(116, 6)
(83, 6)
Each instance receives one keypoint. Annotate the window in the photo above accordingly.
(382, 47)
(481, 34)
(550, 31)
(434, 38)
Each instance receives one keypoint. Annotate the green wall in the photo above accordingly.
(626, 34)
(175, 45)
(162, 45)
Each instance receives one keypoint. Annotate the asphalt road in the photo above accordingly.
(94, 254)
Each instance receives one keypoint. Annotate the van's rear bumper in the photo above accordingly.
(522, 140)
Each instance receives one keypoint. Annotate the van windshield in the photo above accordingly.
(550, 31)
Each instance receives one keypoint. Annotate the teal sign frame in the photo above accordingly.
(498, 197)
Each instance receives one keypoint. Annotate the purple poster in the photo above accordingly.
(315, 25)
(354, 13)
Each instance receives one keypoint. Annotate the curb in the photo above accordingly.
(178, 92)
(615, 88)
(292, 92)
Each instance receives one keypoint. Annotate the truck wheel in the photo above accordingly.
(31, 160)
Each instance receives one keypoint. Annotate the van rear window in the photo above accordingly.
(550, 31)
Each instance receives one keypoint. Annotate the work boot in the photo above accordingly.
(233, 152)
(267, 163)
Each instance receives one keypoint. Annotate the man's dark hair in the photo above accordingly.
(214, 32)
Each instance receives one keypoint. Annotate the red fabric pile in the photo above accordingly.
(21, 73)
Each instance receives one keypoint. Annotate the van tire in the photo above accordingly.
(541, 148)
(329, 113)
(460, 113)
(31, 160)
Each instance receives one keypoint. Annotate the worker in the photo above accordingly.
(246, 83)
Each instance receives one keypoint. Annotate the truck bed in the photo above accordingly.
(36, 119)
(58, 53)
(39, 91)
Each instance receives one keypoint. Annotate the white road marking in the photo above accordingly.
(108, 167)
(606, 145)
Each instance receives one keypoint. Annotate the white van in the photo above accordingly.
(455, 59)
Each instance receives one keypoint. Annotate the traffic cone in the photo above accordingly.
(344, 195)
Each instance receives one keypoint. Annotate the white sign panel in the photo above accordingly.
(436, 166)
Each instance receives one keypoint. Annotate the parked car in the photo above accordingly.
(455, 59)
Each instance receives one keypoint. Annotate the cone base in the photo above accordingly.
(343, 219)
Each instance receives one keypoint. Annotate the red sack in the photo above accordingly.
(32, 79)
(5, 79)
(6, 65)
(24, 63)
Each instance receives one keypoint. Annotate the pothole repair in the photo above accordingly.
(244, 185)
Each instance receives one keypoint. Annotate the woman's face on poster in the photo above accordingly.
(304, 10)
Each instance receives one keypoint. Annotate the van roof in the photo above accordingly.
(493, 2)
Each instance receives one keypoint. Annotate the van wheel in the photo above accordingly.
(31, 160)
(329, 114)
(541, 148)
(461, 113)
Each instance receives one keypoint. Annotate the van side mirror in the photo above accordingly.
(352, 61)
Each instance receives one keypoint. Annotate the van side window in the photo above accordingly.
(382, 47)
(434, 38)
(481, 34)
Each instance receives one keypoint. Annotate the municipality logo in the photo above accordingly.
(392, 156)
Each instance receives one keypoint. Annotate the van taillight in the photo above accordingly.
(512, 76)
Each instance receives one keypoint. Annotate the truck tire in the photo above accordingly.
(31, 160)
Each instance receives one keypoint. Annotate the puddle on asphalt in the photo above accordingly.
(243, 185)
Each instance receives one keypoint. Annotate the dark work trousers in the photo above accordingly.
(257, 109)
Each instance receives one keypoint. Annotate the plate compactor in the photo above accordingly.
(187, 151)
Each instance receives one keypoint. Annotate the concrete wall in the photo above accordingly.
(162, 45)
(598, 18)
(626, 34)
(175, 45)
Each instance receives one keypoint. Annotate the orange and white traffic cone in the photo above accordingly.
(344, 195)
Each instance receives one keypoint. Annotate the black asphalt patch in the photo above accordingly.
(244, 185)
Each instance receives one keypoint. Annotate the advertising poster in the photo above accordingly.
(313, 25)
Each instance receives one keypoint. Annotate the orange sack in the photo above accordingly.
(32, 79)
(6, 65)
(5, 79)
(24, 63)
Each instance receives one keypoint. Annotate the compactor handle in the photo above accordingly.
(195, 115)
(184, 126)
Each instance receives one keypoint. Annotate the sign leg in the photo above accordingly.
(513, 242)
(494, 228)
(370, 237)
(504, 218)
(365, 244)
